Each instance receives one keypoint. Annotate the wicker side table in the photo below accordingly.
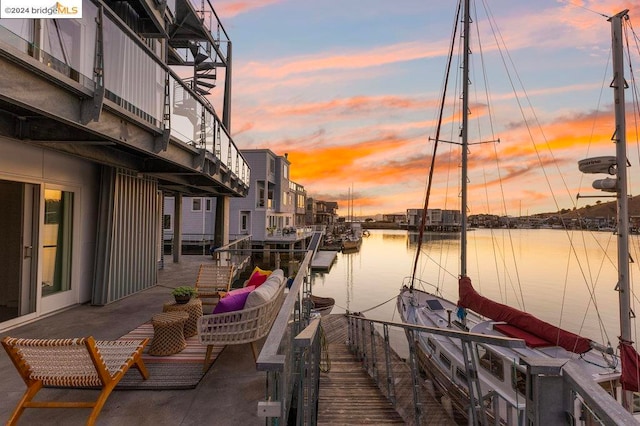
(193, 307)
(168, 333)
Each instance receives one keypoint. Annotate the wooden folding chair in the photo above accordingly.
(72, 363)
(213, 282)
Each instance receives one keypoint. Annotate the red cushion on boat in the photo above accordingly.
(531, 340)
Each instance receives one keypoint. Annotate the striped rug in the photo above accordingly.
(183, 370)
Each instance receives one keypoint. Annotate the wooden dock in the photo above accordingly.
(323, 260)
(349, 396)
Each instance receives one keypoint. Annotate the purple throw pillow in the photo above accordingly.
(233, 301)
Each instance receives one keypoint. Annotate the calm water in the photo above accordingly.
(554, 276)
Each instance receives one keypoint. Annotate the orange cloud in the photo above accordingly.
(230, 8)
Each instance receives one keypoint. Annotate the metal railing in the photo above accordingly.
(236, 253)
(135, 80)
(556, 389)
(291, 355)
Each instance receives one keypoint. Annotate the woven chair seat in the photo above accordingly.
(72, 363)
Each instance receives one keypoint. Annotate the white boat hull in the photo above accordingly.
(499, 370)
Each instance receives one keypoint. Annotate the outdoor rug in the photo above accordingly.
(179, 371)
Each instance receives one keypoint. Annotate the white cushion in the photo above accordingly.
(266, 291)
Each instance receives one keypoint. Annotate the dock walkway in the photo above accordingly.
(348, 395)
(323, 259)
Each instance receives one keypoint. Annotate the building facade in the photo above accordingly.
(97, 125)
(321, 212)
(271, 206)
(436, 219)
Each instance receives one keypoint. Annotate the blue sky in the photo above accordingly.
(349, 89)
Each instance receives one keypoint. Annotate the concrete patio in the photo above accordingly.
(227, 395)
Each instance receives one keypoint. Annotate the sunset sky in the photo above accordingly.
(350, 90)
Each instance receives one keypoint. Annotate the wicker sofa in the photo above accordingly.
(248, 324)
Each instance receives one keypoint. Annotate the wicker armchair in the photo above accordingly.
(213, 281)
(72, 363)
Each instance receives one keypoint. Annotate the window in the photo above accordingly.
(196, 204)
(461, 375)
(519, 380)
(260, 193)
(272, 165)
(244, 222)
(166, 222)
(431, 344)
(636, 402)
(58, 233)
(270, 198)
(491, 362)
(445, 360)
(208, 204)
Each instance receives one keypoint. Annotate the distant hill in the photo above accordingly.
(602, 209)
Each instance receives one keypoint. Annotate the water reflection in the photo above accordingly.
(413, 237)
(531, 269)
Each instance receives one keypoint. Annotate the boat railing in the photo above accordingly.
(555, 388)
(421, 284)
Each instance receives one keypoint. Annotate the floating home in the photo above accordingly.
(103, 113)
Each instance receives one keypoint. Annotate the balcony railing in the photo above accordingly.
(135, 77)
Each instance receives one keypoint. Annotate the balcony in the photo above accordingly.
(288, 234)
(95, 88)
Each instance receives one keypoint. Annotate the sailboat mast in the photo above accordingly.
(620, 139)
(464, 135)
(622, 200)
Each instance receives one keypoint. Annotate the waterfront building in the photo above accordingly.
(321, 212)
(271, 211)
(400, 219)
(198, 223)
(437, 219)
(102, 115)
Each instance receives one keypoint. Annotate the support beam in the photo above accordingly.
(176, 248)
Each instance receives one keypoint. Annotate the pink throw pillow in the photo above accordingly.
(257, 279)
(234, 300)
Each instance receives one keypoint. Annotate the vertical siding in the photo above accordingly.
(130, 254)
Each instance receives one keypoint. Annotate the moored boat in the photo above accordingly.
(499, 378)
(322, 305)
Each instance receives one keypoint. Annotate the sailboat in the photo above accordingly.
(352, 239)
(500, 377)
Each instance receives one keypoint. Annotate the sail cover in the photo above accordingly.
(470, 299)
(630, 366)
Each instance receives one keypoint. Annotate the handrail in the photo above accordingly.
(560, 381)
(290, 368)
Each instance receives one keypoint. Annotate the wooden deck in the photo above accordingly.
(349, 396)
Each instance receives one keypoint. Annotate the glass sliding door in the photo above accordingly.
(57, 241)
(18, 258)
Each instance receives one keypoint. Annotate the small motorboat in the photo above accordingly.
(321, 305)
